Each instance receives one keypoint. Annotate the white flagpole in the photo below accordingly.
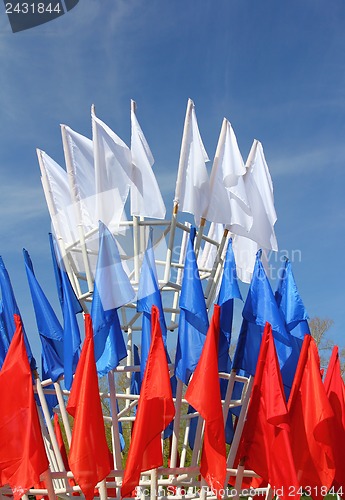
(239, 427)
(46, 414)
(136, 229)
(176, 428)
(180, 179)
(63, 411)
(212, 283)
(69, 166)
(228, 395)
(115, 423)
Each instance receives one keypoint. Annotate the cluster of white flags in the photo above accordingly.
(239, 196)
(100, 173)
(103, 172)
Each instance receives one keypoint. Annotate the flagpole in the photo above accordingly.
(239, 479)
(239, 427)
(179, 180)
(176, 428)
(136, 228)
(46, 414)
(69, 165)
(63, 411)
(228, 395)
(211, 283)
(197, 441)
(115, 422)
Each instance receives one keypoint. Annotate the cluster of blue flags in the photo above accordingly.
(61, 342)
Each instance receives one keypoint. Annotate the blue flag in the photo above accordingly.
(149, 295)
(9, 308)
(4, 340)
(49, 327)
(112, 289)
(70, 308)
(193, 323)
(63, 289)
(136, 376)
(295, 317)
(229, 290)
(260, 307)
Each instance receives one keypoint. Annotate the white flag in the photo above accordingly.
(259, 188)
(113, 172)
(58, 198)
(80, 167)
(229, 203)
(146, 198)
(192, 186)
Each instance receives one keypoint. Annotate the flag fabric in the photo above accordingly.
(312, 421)
(58, 197)
(259, 189)
(193, 322)
(9, 309)
(335, 390)
(4, 339)
(112, 289)
(49, 328)
(59, 268)
(149, 295)
(229, 290)
(229, 203)
(265, 443)
(155, 411)
(89, 454)
(22, 454)
(70, 308)
(260, 307)
(146, 198)
(135, 376)
(296, 322)
(81, 174)
(192, 185)
(113, 173)
(203, 393)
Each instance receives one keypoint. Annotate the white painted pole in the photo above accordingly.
(177, 420)
(64, 414)
(239, 427)
(115, 423)
(71, 178)
(49, 425)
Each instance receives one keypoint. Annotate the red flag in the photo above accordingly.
(22, 454)
(155, 411)
(203, 394)
(265, 443)
(88, 457)
(311, 419)
(335, 390)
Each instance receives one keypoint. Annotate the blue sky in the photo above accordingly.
(275, 69)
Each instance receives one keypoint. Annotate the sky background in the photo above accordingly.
(275, 69)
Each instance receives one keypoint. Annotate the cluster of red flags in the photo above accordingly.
(22, 454)
(299, 446)
(292, 447)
